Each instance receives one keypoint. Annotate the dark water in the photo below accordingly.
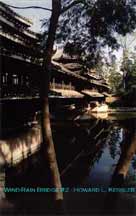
(92, 155)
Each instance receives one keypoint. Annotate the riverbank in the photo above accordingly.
(122, 109)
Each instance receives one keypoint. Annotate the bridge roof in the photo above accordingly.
(4, 7)
(92, 93)
(69, 93)
(61, 68)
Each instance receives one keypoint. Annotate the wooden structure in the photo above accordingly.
(21, 67)
(21, 51)
(90, 85)
(20, 54)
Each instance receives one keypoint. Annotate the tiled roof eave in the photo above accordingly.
(66, 71)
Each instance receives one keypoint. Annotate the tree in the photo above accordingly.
(115, 81)
(48, 144)
(115, 77)
(130, 78)
(129, 81)
(127, 44)
(91, 25)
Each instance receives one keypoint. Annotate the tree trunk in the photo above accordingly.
(48, 145)
(126, 157)
(127, 154)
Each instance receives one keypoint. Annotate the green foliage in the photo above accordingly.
(115, 81)
(91, 24)
(129, 93)
(131, 77)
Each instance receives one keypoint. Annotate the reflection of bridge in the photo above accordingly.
(23, 160)
(16, 149)
(82, 165)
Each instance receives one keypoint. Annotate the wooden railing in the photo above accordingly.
(54, 85)
(21, 56)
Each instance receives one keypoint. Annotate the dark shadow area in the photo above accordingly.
(90, 155)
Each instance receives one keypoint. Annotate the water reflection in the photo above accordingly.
(15, 149)
(124, 175)
(95, 153)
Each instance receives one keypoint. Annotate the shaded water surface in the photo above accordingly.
(93, 156)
